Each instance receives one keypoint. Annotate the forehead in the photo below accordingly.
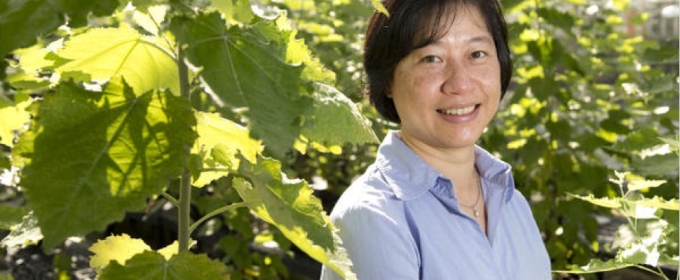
(435, 22)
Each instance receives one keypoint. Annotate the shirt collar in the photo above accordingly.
(409, 176)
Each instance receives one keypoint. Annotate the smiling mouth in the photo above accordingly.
(458, 111)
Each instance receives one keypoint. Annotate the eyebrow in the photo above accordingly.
(480, 39)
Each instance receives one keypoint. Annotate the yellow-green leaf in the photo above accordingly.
(13, 116)
(604, 202)
(144, 62)
(116, 248)
(219, 141)
(91, 156)
(151, 265)
(634, 185)
(291, 207)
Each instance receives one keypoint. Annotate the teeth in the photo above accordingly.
(459, 111)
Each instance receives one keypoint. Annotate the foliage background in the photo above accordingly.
(589, 97)
(593, 88)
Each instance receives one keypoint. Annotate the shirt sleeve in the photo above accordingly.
(378, 242)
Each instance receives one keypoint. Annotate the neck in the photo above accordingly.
(457, 164)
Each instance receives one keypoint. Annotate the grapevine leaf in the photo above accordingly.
(11, 216)
(659, 202)
(116, 248)
(169, 251)
(664, 54)
(335, 120)
(638, 140)
(634, 185)
(564, 21)
(91, 156)
(218, 144)
(235, 11)
(13, 117)
(294, 51)
(291, 207)
(614, 203)
(26, 233)
(32, 59)
(102, 53)
(244, 69)
(149, 19)
(153, 266)
(644, 250)
(22, 21)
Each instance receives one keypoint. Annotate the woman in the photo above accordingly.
(434, 205)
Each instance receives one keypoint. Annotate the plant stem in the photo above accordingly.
(184, 209)
(215, 213)
(170, 198)
(658, 272)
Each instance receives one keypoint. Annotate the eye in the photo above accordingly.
(431, 59)
(478, 54)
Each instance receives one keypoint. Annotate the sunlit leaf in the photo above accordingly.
(604, 202)
(243, 69)
(235, 11)
(25, 233)
(153, 266)
(91, 156)
(144, 62)
(219, 142)
(118, 248)
(169, 251)
(150, 19)
(659, 202)
(22, 21)
(335, 120)
(643, 184)
(291, 207)
(13, 116)
(638, 140)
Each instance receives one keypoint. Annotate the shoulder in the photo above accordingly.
(368, 195)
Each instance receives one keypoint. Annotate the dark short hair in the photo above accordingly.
(413, 24)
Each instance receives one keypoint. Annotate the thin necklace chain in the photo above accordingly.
(479, 194)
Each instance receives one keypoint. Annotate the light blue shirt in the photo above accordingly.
(401, 220)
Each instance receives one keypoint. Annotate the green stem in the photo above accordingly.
(169, 197)
(184, 209)
(215, 213)
(657, 272)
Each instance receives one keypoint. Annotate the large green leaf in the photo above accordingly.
(243, 69)
(91, 156)
(151, 265)
(335, 120)
(22, 21)
(145, 62)
(219, 141)
(290, 206)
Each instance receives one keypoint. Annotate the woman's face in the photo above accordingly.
(447, 92)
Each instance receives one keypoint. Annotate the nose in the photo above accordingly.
(457, 80)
